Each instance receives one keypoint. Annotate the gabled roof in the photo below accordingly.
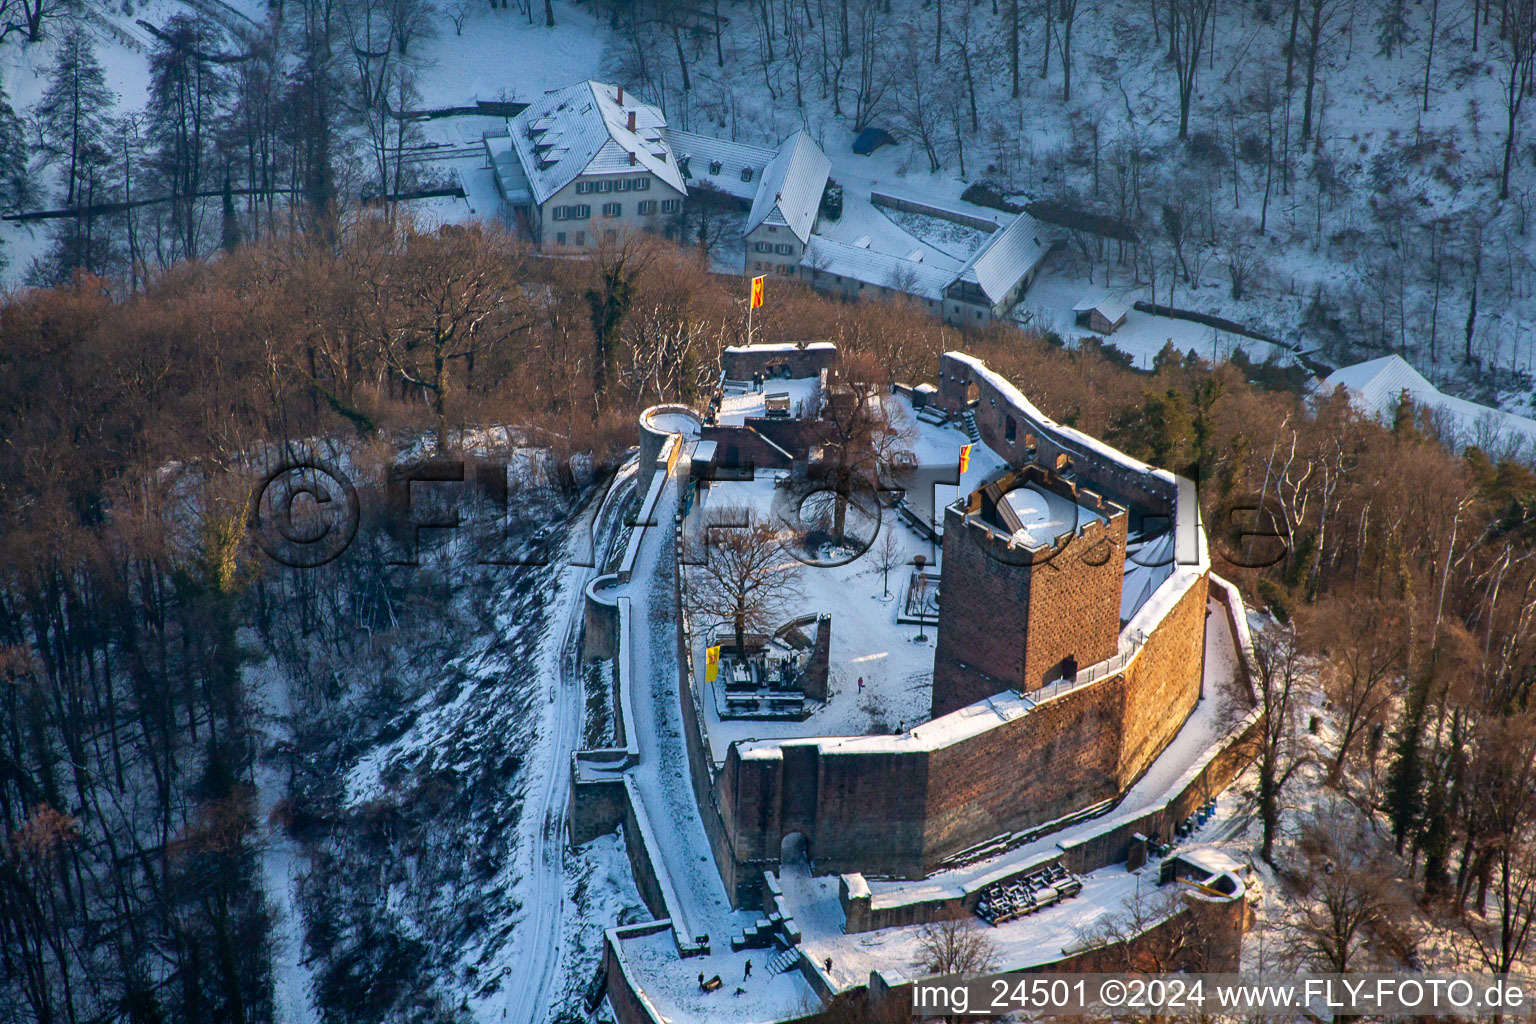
(1376, 387)
(1005, 257)
(698, 154)
(792, 185)
(1110, 305)
(875, 267)
(584, 129)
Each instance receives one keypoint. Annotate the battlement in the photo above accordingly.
(1033, 514)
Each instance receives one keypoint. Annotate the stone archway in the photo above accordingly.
(795, 852)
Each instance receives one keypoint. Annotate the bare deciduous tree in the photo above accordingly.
(887, 556)
(742, 575)
(859, 443)
(1364, 641)
(1277, 670)
(1516, 49)
(956, 946)
(1348, 887)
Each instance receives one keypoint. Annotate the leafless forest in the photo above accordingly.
(132, 598)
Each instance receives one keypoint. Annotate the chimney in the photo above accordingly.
(632, 159)
(621, 95)
(631, 120)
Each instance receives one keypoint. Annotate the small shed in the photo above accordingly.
(871, 139)
(1103, 311)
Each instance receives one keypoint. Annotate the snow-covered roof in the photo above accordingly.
(790, 192)
(784, 346)
(1376, 386)
(1110, 305)
(1006, 256)
(874, 267)
(584, 129)
(507, 169)
(701, 153)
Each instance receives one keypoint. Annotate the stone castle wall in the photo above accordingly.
(1011, 624)
(903, 806)
(740, 362)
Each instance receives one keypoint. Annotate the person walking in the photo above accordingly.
(747, 975)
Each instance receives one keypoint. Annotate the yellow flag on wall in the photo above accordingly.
(757, 291)
(711, 664)
(965, 458)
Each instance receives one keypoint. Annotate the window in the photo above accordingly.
(772, 230)
(581, 211)
(560, 238)
(562, 212)
(647, 206)
(583, 187)
(641, 184)
(622, 185)
(714, 167)
(669, 206)
(1010, 430)
(581, 238)
(762, 246)
(783, 250)
(746, 174)
(602, 186)
(613, 209)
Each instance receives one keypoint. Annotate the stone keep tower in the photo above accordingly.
(1032, 574)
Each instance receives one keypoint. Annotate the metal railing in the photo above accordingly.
(1129, 647)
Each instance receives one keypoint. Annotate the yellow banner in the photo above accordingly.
(711, 664)
(757, 291)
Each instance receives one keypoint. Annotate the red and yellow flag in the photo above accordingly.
(757, 291)
(965, 458)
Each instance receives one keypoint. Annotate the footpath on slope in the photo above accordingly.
(661, 778)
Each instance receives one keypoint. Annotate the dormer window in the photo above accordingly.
(746, 174)
(714, 166)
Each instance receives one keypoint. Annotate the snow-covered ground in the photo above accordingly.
(1048, 307)
(1042, 936)
(672, 984)
(867, 641)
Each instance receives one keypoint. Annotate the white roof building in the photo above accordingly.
(1007, 257)
(734, 168)
(590, 128)
(1109, 305)
(1376, 388)
(871, 266)
(790, 193)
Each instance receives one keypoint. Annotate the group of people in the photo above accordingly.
(713, 983)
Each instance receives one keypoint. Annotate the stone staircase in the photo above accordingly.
(968, 423)
(784, 961)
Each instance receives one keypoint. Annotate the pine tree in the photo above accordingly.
(15, 185)
(185, 95)
(1405, 779)
(72, 116)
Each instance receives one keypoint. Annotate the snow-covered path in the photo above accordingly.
(661, 777)
(536, 940)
